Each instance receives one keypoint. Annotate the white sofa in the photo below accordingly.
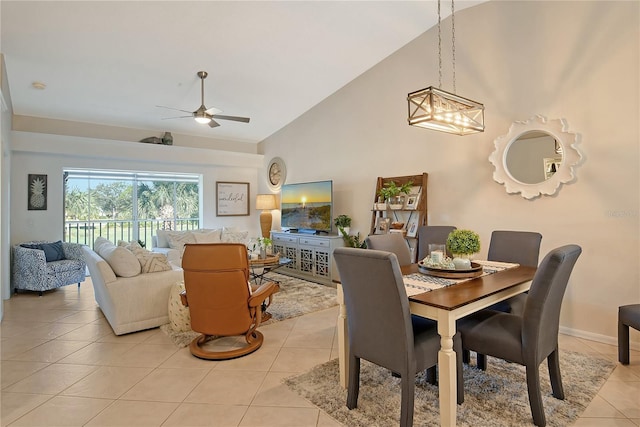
(171, 243)
(131, 303)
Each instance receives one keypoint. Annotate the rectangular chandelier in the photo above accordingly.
(436, 109)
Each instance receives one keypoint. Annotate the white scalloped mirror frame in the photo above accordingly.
(571, 156)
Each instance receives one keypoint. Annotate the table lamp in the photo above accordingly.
(266, 203)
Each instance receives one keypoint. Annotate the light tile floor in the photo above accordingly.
(62, 365)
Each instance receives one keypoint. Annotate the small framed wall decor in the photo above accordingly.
(232, 198)
(37, 192)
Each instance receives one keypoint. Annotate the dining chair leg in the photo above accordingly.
(481, 361)
(353, 388)
(466, 356)
(623, 343)
(457, 347)
(553, 361)
(535, 396)
(406, 400)
(431, 375)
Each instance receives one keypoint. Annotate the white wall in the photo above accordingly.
(572, 60)
(51, 154)
(6, 111)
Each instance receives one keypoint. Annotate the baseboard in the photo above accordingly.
(605, 339)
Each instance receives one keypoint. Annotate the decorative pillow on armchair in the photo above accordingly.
(52, 251)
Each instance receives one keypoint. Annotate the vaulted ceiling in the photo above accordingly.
(114, 62)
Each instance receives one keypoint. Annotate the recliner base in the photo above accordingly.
(254, 342)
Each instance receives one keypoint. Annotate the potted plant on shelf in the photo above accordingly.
(343, 223)
(463, 244)
(392, 193)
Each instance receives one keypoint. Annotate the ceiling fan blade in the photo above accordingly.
(177, 117)
(213, 110)
(213, 124)
(234, 118)
(176, 109)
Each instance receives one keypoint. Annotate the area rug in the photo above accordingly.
(497, 397)
(296, 297)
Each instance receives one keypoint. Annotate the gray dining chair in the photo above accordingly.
(391, 242)
(532, 337)
(432, 234)
(381, 328)
(521, 247)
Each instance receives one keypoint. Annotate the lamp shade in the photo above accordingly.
(266, 202)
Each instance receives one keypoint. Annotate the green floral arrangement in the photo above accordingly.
(352, 241)
(464, 242)
(342, 221)
(390, 189)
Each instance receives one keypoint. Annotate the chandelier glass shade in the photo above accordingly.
(436, 109)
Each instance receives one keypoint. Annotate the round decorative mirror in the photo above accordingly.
(535, 157)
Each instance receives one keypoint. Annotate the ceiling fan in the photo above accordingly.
(203, 114)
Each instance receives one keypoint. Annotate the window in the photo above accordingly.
(120, 205)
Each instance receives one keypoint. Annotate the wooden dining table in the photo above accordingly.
(445, 306)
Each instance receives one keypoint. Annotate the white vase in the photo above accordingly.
(462, 263)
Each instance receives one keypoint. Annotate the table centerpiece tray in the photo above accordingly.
(474, 271)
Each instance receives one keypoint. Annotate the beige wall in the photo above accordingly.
(572, 60)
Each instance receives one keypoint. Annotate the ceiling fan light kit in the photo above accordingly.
(204, 115)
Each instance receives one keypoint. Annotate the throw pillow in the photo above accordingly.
(52, 251)
(214, 236)
(161, 238)
(122, 261)
(151, 262)
(179, 316)
(177, 240)
(229, 236)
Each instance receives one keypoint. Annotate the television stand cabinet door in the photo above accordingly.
(312, 256)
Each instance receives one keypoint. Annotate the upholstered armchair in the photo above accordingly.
(220, 300)
(42, 266)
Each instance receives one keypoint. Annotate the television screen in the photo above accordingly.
(307, 206)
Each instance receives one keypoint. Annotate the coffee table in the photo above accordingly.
(268, 264)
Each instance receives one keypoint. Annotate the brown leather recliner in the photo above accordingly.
(216, 279)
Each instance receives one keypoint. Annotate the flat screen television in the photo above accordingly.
(307, 207)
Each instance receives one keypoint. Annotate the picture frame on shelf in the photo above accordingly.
(411, 202)
(412, 225)
(382, 225)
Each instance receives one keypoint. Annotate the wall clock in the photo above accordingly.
(276, 173)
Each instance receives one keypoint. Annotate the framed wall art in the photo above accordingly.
(37, 192)
(232, 198)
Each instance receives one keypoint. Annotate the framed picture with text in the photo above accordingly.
(232, 198)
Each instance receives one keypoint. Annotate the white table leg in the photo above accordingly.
(343, 341)
(447, 369)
